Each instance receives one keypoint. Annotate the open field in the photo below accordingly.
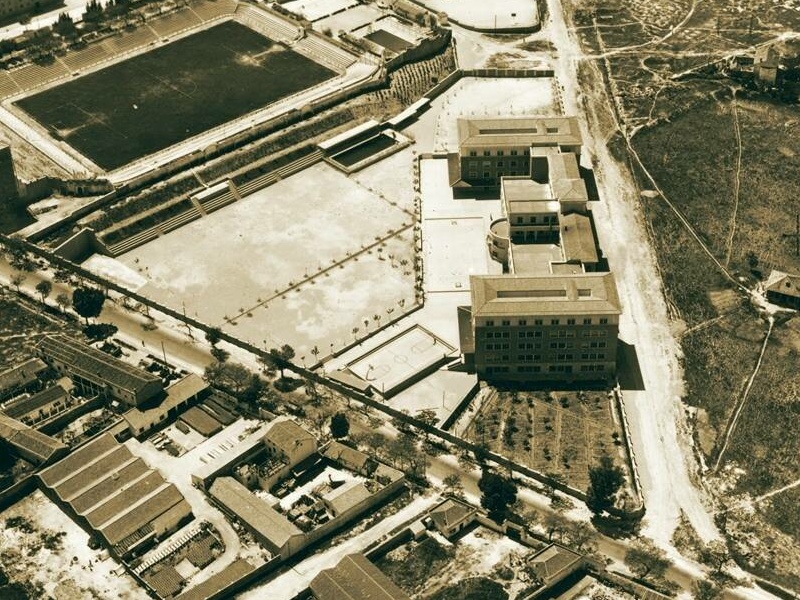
(257, 267)
(560, 433)
(508, 14)
(41, 545)
(171, 93)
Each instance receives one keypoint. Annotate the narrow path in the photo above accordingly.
(738, 410)
(738, 180)
(794, 484)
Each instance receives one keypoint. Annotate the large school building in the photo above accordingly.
(554, 313)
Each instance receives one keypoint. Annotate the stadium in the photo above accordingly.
(168, 100)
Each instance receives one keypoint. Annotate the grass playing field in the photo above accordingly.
(154, 100)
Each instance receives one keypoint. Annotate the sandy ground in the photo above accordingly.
(315, 9)
(238, 264)
(356, 17)
(441, 392)
(505, 14)
(74, 572)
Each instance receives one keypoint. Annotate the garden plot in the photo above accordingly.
(487, 97)
(41, 545)
(293, 263)
(557, 432)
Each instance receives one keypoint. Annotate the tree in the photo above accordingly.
(254, 391)
(715, 555)
(453, 486)
(428, 417)
(65, 26)
(555, 523)
(281, 357)
(646, 559)
(497, 493)
(220, 354)
(581, 536)
(17, 280)
(88, 302)
(44, 288)
(229, 377)
(100, 331)
(63, 301)
(605, 480)
(705, 590)
(213, 335)
(340, 426)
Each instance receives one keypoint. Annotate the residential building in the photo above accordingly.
(555, 563)
(96, 373)
(40, 406)
(355, 578)
(452, 516)
(28, 443)
(783, 289)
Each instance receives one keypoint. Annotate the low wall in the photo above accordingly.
(58, 422)
(80, 246)
(630, 454)
(20, 489)
(425, 48)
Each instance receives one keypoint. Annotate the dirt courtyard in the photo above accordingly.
(295, 262)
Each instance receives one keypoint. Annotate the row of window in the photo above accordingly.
(561, 333)
(499, 153)
(524, 322)
(488, 175)
(546, 220)
(550, 369)
(563, 357)
(473, 164)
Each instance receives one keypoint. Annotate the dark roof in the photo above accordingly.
(254, 512)
(347, 456)
(25, 406)
(92, 472)
(113, 481)
(553, 560)
(449, 513)
(166, 582)
(93, 363)
(67, 466)
(201, 421)
(41, 447)
(119, 503)
(142, 514)
(22, 374)
(355, 578)
(214, 584)
(347, 496)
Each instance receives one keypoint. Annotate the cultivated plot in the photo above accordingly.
(172, 93)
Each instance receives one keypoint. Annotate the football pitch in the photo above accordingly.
(164, 96)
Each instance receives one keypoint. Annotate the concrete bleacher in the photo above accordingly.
(87, 57)
(32, 75)
(179, 220)
(323, 51)
(208, 11)
(7, 85)
(267, 24)
(263, 181)
(129, 41)
(172, 23)
(218, 202)
(134, 241)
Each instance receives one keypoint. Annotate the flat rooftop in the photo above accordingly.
(520, 131)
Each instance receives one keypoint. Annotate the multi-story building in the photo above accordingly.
(554, 314)
(490, 149)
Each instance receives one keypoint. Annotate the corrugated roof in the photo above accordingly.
(118, 503)
(588, 293)
(92, 472)
(139, 516)
(259, 516)
(355, 578)
(113, 481)
(520, 131)
(89, 361)
(22, 437)
(214, 584)
(78, 459)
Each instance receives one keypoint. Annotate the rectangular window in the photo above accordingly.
(506, 334)
(473, 173)
(473, 153)
(603, 321)
(522, 322)
(499, 163)
(552, 130)
(500, 153)
(570, 321)
(513, 164)
(587, 321)
(505, 322)
(490, 323)
(513, 153)
(487, 153)
(538, 322)
(554, 321)
(486, 175)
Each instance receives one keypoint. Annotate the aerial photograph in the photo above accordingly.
(399, 299)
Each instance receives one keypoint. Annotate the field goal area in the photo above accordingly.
(402, 361)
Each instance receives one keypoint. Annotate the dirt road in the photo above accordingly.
(661, 436)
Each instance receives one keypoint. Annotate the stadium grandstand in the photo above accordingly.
(115, 494)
